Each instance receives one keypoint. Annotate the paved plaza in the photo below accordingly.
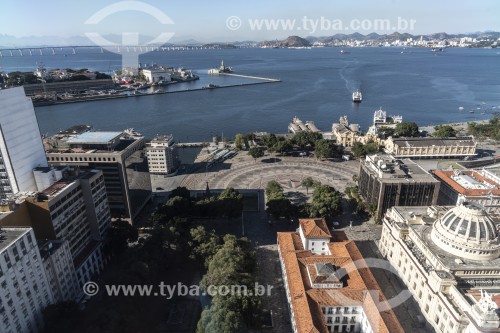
(243, 172)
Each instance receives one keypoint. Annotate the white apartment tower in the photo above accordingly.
(162, 155)
(21, 148)
(24, 287)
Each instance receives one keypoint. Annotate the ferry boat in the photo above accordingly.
(344, 52)
(357, 97)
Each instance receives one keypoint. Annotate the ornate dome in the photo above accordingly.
(467, 231)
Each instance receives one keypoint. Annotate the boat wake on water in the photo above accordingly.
(348, 74)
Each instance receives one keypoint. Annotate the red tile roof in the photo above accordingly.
(307, 302)
(315, 228)
(445, 176)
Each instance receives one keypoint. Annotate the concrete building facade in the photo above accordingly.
(480, 186)
(386, 182)
(110, 152)
(60, 270)
(162, 155)
(24, 288)
(429, 147)
(73, 209)
(21, 148)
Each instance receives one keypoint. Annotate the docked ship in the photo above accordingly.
(221, 69)
(210, 86)
(298, 125)
(357, 97)
(183, 75)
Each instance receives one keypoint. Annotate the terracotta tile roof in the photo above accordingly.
(445, 176)
(359, 284)
(315, 228)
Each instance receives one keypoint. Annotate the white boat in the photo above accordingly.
(357, 97)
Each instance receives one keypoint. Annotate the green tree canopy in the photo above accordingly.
(305, 139)
(231, 202)
(409, 129)
(327, 149)
(307, 183)
(444, 131)
(255, 152)
(326, 202)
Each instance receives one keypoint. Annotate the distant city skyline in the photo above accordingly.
(237, 21)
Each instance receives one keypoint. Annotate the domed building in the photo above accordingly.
(449, 258)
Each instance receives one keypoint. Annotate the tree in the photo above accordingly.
(239, 141)
(273, 189)
(307, 182)
(327, 149)
(180, 192)
(231, 203)
(304, 139)
(269, 140)
(61, 317)
(204, 244)
(444, 131)
(358, 149)
(120, 234)
(282, 146)
(407, 129)
(326, 202)
(371, 148)
(256, 153)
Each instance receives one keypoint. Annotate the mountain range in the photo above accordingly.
(8, 41)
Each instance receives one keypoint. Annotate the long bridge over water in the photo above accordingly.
(65, 50)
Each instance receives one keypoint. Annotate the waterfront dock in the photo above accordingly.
(158, 92)
(251, 77)
(192, 144)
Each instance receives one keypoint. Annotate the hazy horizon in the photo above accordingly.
(235, 21)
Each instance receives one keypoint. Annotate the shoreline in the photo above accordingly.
(458, 126)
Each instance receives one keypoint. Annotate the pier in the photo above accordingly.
(251, 77)
(192, 144)
(158, 92)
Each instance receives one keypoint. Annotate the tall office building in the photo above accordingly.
(24, 287)
(117, 154)
(386, 182)
(73, 208)
(21, 147)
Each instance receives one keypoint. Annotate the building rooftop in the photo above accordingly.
(422, 227)
(95, 137)
(430, 141)
(315, 228)
(346, 266)
(389, 168)
(48, 247)
(9, 236)
(468, 182)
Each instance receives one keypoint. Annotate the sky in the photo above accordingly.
(237, 20)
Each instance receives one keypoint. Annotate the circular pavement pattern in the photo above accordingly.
(289, 173)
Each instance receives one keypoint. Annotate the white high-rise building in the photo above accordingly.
(24, 287)
(21, 148)
(162, 155)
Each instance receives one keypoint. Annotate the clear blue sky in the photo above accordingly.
(206, 20)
